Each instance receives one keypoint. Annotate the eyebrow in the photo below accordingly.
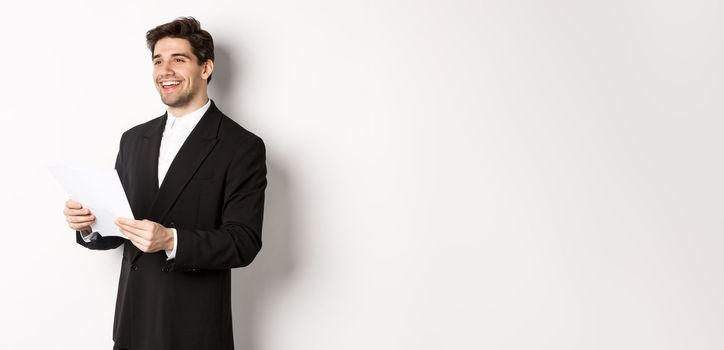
(172, 55)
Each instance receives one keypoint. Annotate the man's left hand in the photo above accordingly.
(146, 235)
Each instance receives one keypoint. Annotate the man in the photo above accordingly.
(195, 181)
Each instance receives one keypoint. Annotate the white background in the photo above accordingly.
(442, 174)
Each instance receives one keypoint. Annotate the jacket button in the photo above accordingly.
(134, 267)
(165, 269)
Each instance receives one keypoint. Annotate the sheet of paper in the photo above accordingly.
(99, 190)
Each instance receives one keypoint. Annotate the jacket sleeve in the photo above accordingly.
(238, 240)
(99, 242)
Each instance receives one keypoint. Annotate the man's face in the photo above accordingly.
(178, 76)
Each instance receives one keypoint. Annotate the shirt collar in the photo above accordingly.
(189, 120)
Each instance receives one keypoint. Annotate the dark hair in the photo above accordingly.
(202, 45)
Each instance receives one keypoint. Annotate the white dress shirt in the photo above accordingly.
(175, 133)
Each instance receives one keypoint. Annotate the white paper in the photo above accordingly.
(99, 190)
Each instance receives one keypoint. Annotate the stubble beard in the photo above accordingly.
(177, 101)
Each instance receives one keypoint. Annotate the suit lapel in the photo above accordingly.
(146, 176)
(148, 167)
(195, 149)
(193, 152)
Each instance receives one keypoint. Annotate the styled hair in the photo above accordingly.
(202, 45)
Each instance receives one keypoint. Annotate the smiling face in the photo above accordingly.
(180, 79)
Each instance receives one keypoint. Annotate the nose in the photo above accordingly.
(164, 68)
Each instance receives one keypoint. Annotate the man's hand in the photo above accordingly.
(78, 218)
(146, 235)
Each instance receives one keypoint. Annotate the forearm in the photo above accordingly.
(224, 248)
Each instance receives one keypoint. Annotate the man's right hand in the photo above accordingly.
(78, 218)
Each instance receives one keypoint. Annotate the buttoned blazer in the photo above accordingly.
(213, 195)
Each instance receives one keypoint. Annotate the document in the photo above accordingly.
(99, 190)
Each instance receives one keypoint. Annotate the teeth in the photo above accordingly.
(169, 83)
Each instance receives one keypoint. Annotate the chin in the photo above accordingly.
(174, 102)
(177, 101)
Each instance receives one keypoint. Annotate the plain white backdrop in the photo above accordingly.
(442, 174)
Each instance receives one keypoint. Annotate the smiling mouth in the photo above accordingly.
(169, 85)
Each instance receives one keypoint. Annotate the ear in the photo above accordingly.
(208, 69)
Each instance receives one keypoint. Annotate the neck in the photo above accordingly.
(193, 105)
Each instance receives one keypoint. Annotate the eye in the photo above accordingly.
(179, 60)
(156, 62)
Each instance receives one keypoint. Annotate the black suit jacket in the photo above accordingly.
(213, 194)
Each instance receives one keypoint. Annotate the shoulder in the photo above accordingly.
(144, 128)
(244, 150)
(235, 135)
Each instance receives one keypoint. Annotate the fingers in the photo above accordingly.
(73, 204)
(131, 228)
(80, 218)
(73, 208)
(145, 225)
(142, 228)
(76, 212)
(142, 244)
(142, 233)
(80, 225)
(138, 240)
(142, 247)
(134, 230)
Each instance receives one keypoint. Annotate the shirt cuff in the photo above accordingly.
(171, 254)
(89, 237)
